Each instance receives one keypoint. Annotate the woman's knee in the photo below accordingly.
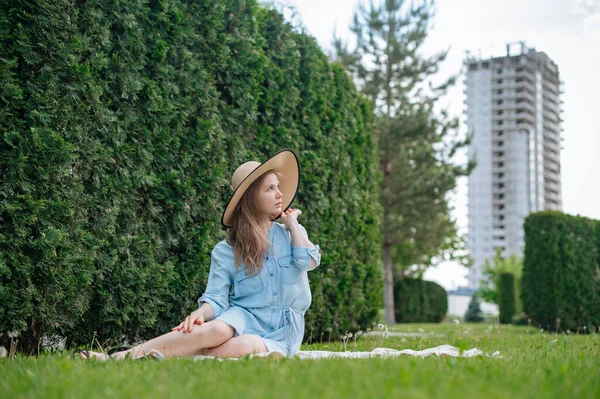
(221, 329)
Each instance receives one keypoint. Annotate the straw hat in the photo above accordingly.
(284, 162)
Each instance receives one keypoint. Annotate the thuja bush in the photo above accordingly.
(506, 296)
(121, 123)
(561, 276)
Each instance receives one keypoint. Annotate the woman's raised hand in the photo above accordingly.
(196, 317)
(290, 216)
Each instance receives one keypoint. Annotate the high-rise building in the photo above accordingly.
(513, 113)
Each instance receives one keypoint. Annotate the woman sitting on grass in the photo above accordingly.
(257, 291)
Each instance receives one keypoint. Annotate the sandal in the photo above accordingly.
(117, 349)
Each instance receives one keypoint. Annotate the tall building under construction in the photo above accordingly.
(513, 112)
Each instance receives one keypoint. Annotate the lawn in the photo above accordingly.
(533, 364)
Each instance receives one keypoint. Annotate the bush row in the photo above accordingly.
(121, 123)
(419, 301)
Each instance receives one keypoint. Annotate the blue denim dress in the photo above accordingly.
(270, 304)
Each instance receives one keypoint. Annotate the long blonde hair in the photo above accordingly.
(249, 240)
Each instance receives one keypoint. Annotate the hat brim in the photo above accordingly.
(285, 163)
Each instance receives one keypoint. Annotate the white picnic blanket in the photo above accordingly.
(442, 350)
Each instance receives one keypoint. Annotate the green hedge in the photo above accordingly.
(506, 295)
(419, 301)
(561, 277)
(121, 123)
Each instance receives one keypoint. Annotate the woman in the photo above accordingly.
(257, 291)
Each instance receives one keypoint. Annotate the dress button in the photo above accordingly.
(274, 293)
(271, 274)
(267, 258)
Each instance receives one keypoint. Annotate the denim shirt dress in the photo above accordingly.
(270, 304)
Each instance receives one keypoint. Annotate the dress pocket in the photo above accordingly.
(290, 274)
(246, 285)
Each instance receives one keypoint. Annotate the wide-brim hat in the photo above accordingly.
(285, 163)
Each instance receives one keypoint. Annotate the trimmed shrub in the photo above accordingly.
(561, 278)
(473, 314)
(506, 293)
(419, 301)
(120, 126)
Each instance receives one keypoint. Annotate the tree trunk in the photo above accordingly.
(388, 286)
(388, 276)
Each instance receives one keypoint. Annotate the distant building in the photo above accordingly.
(513, 112)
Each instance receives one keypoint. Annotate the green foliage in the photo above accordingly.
(561, 276)
(120, 126)
(473, 314)
(419, 301)
(417, 143)
(506, 294)
(512, 264)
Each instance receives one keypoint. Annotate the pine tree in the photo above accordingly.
(473, 314)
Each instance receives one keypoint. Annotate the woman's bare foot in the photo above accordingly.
(85, 355)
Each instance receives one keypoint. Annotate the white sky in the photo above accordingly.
(567, 30)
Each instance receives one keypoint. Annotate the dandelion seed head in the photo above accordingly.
(456, 321)
(380, 326)
(385, 334)
(13, 334)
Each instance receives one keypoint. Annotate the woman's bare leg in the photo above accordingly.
(245, 344)
(180, 344)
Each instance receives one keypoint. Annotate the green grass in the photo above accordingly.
(533, 365)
